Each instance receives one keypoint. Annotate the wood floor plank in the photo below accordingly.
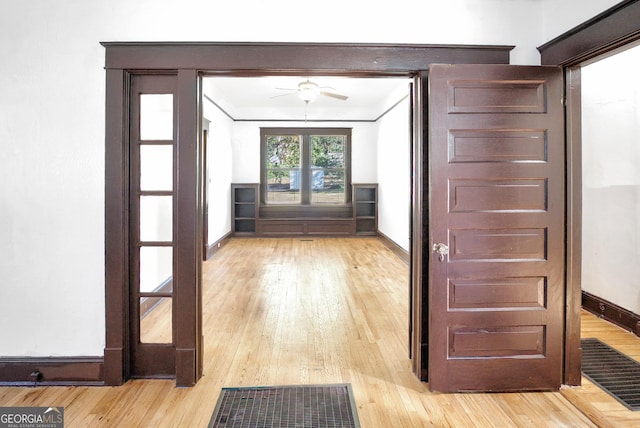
(312, 311)
(590, 398)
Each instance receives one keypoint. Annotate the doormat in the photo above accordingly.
(613, 371)
(304, 406)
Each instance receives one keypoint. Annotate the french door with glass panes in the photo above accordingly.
(152, 210)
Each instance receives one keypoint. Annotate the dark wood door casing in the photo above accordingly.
(419, 324)
(497, 201)
(614, 29)
(189, 61)
(188, 224)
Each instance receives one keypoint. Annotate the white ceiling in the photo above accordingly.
(257, 98)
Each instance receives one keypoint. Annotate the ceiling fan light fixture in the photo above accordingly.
(308, 91)
(308, 96)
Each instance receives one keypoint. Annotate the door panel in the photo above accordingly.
(496, 146)
(152, 215)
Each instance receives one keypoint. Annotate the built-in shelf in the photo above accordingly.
(362, 219)
(365, 208)
(244, 209)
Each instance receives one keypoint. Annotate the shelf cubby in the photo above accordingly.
(365, 208)
(244, 208)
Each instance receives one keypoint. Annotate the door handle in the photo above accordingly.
(441, 249)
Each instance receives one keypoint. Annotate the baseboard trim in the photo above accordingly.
(611, 312)
(51, 371)
(397, 249)
(216, 246)
(186, 372)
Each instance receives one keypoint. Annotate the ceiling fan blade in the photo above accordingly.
(288, 89)
(284, 95)
(332, 95)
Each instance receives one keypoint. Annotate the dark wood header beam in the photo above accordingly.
(288, 58)
(611, 29)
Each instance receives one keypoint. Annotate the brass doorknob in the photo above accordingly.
(441, 249)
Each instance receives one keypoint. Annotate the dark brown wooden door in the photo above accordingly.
(496, 156)
(152, 236)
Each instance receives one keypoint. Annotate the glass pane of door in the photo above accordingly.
(155, 320)
(156, 269)
(156, 218)
(156, 117)
(156, 167)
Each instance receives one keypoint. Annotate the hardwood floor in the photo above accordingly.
(598, 405)
(312, 311)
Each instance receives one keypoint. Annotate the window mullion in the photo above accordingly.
(305, 171)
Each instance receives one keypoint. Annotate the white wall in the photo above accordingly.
(246, 149)
(52, 100)
(219, 164)
(611, 179)
(561, 16)
(394, 174)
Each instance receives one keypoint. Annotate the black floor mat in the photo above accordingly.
(613, 371)
(305, 406)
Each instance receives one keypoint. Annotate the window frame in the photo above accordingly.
(305, 206)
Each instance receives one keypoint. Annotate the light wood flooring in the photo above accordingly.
(313, 311)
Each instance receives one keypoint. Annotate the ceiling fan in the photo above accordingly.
(308, 91)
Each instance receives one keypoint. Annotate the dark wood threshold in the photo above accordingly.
(397, 249)
(51, 371)
(216, 246)
(611, 312)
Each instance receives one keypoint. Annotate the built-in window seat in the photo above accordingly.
(251, 219)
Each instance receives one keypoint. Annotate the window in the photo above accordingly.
(306, 166)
